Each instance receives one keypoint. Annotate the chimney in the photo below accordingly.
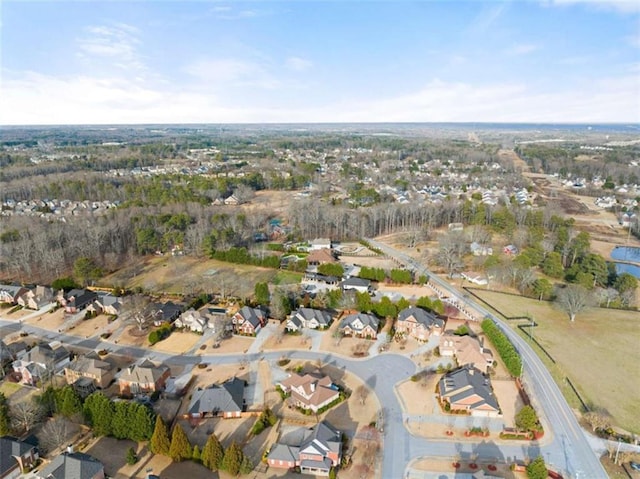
(69, 448)
(471, 371)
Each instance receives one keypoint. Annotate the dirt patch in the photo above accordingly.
(434, 465)
(508, 398)
(51, 321)
(94, 326)
(178, 342)
(287, 341)
(409, 291)
(234, 344)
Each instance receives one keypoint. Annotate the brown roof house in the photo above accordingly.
(314, 450)
(467, 389)
(77, 300)
(311, 391)
(418, 323)
(249, 320)
(16, 456)
(224, 400)
(360, 325)
(143, 378)
(72, 465)
(467, 350)
(37, 297)
(320, 256)
(10, 293)
(101, 373)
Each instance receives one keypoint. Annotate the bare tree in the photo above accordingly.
(573, 299)
(55, 433)
(607, 295)
(451, 247)
(26, 414)
(337, 336)
(597, 419)
(136, 310)
(362, 393)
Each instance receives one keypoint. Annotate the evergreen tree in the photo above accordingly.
(160, 442)
(212, 453)
(99, 411)
(537, 469)
(121, 423)
(245, 466)
(4, 416)
(48, 401)
(131, 457)
(196, 453)
(68, 401)
(142, 420)
(180, 448)
(527, 419)
(232, 459)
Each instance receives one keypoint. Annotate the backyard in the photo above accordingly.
(592, 352)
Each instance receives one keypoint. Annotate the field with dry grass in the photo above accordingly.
(596, 352)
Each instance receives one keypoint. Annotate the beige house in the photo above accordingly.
(419, 323)
(311, 391)
(467, 350)
(36, 298)
(143, 378)
(90, 367)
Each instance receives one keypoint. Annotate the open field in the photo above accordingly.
(8, 388)
(52, 321)
(594, 352)
(178, 342)
(93, 326)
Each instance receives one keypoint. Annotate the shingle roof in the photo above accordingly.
(89, 365)
(465, 382)
(428, 320)
(252, 315)
(72, 466)
(9, 447)
(365, 319)
(227, 397)
(144, 373)
(322, 317)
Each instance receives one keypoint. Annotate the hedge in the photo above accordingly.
(504, 347)
(242, 256)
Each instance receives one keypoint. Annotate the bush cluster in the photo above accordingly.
(505, 349)
(242, 256)
(159, 334)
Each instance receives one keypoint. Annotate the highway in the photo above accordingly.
(570, 450)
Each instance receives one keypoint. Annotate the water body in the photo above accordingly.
(627, 253)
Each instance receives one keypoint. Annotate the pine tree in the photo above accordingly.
(212, 453)
(232, 459)
(537, 469)
(68, 401)
(99, 412)
(121, 424)
(196, 453)
(180, 447)
(160, 443)
(142, 420)
(4, 416)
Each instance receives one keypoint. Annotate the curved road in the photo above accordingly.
(570, 450)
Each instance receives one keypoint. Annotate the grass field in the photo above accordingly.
(8, 388)
(598, 352)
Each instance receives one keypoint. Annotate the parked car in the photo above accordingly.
(635, 465)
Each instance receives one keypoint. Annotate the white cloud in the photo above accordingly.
(298, 64)
(117, 43)
(521, 49)
(225, 72)
(33, 98)
(634, 40)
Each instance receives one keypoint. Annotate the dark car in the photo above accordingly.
(635, 465)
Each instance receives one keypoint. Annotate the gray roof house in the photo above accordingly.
(315, 451)
(73, 465)
(40, 361)
(360, 325)
(309, 318)
(467, 389)
(10, 293)
(249, 320)
(16, 455)
(356, 284)
(226, 400)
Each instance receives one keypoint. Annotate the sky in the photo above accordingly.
(121, 62)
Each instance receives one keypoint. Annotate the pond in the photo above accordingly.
(626, 253)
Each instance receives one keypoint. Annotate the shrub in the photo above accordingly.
(505, 349)
(132, 457)
(159, 334)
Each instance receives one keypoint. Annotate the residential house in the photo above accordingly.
(479, 250)
(99, 372)
(165, 313)
(356, 284)
(331, 282)
(311, 391)
(36, 298)
(10, 293)
(77, 300)
(418, 323)
(41, 362)
(194, 320)
(143, 378)
(510, 250)
(360, 325)
(467, 389)
(16, 456)
(309, 318)
(224, 400)
(106, 303)
(72, 465)
(249, 320)
(314, 450)
(321, 256)
(467, 350)
(319, 243)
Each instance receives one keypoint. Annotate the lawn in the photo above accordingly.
(8, 388)
(595, 352)
(286, 277)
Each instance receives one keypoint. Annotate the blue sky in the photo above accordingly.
(331, 61)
